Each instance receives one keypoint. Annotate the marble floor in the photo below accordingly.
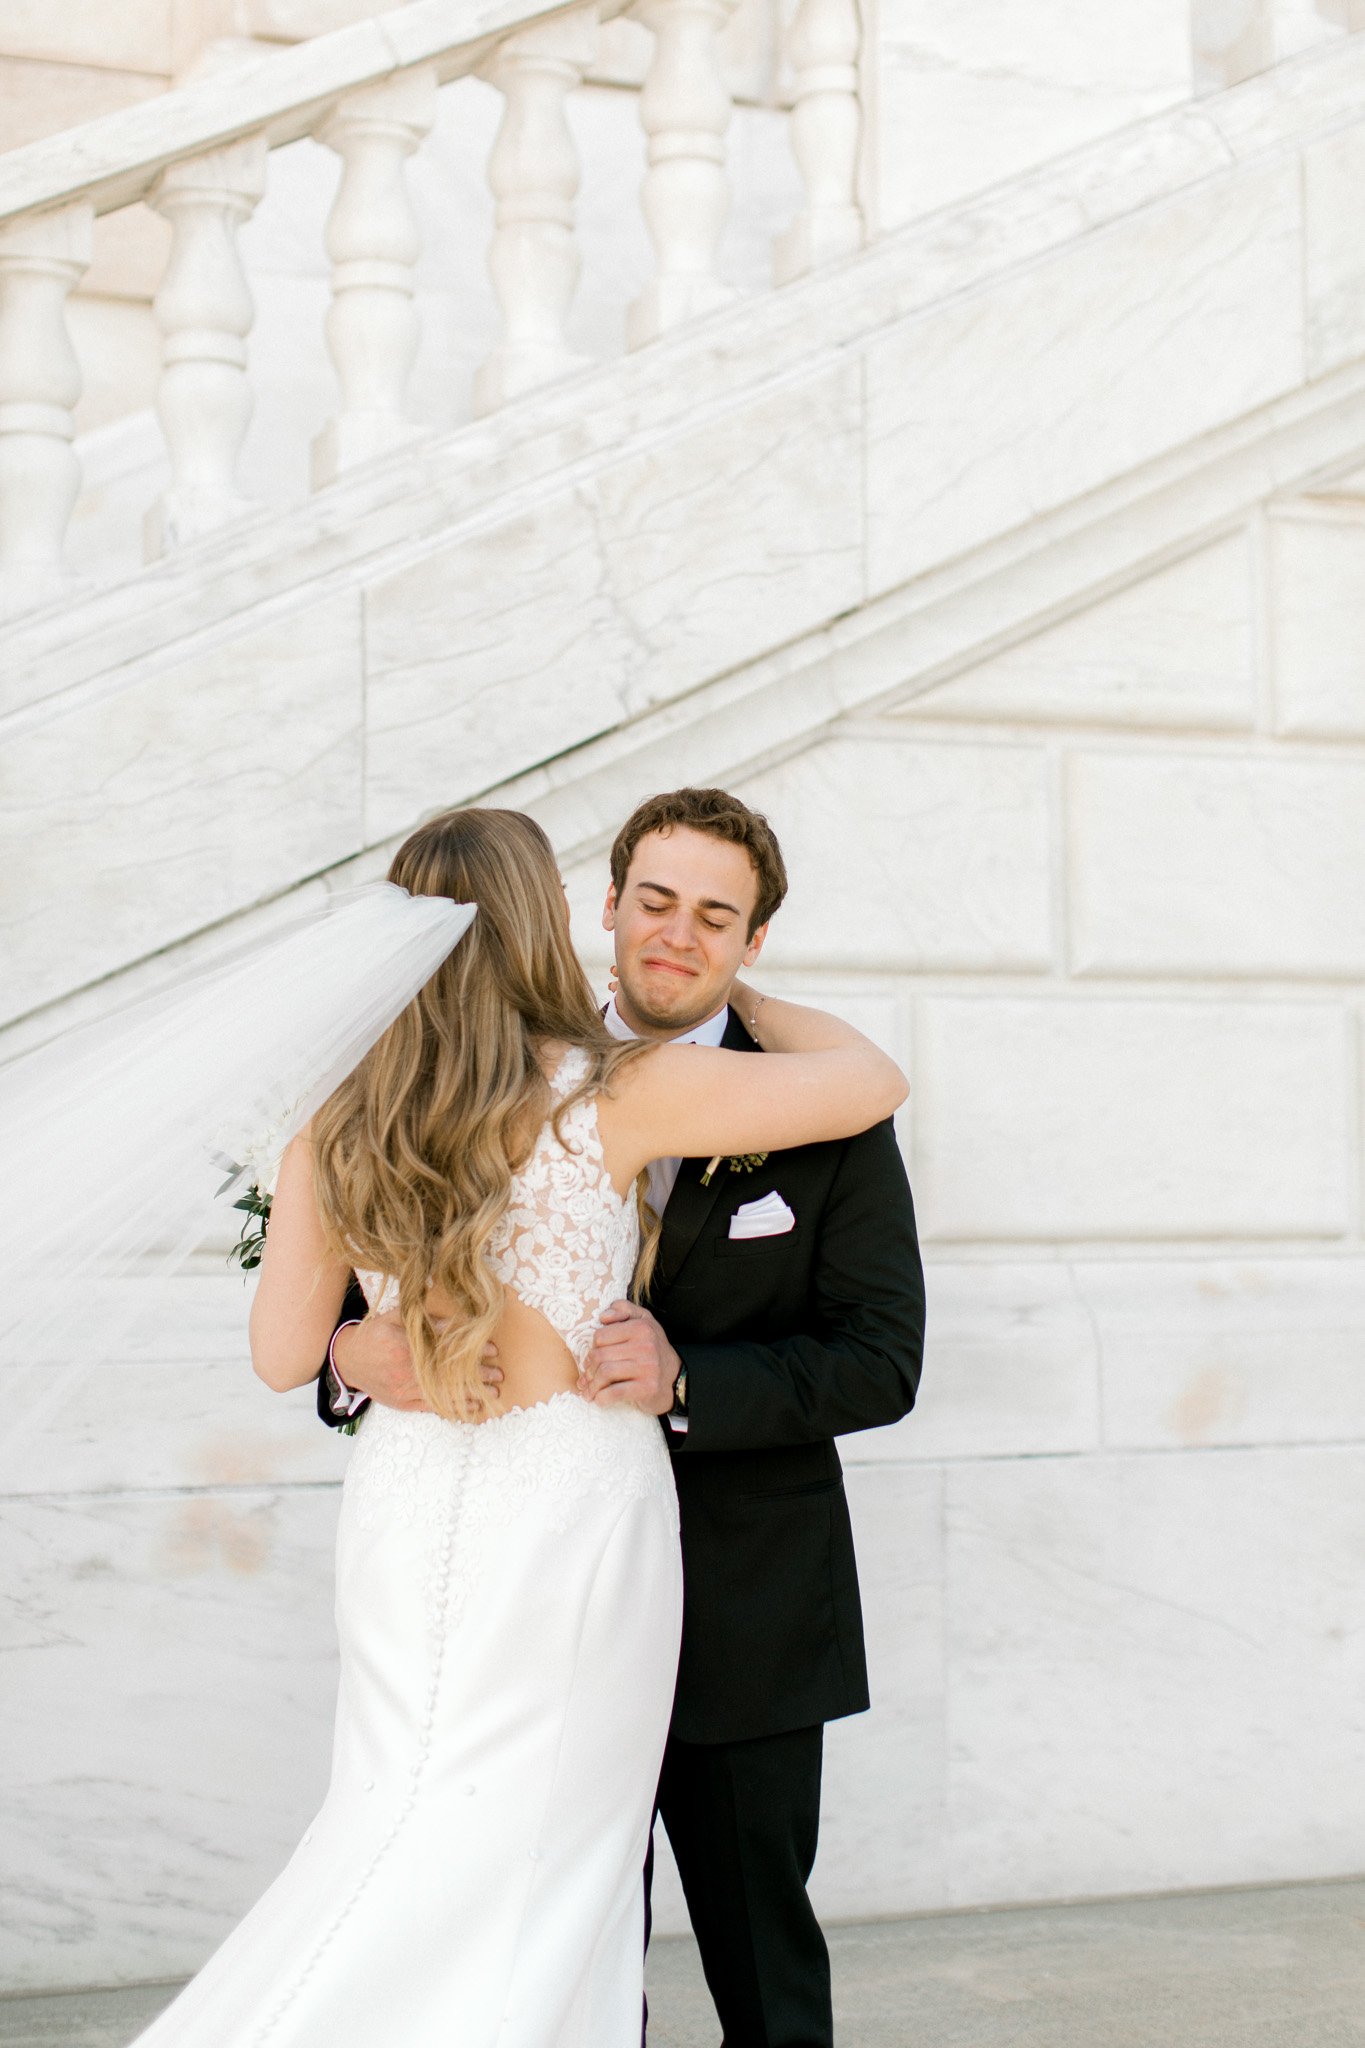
(1274, 1968)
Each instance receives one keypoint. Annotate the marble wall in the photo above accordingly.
(1100, 893)
(968, 96)
(1139, 1164)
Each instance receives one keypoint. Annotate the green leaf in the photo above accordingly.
(250, 1246)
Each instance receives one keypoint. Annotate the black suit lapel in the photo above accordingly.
(690, 1203)
(687, 1209)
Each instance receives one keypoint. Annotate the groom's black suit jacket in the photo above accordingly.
(789, 1341)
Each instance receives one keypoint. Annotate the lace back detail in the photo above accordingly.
(568, 1242)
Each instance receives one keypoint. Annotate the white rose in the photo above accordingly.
(263, 1160)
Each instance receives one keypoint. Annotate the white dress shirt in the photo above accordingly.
(664, 1172)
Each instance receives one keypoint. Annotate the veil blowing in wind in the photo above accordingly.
(122, 1140)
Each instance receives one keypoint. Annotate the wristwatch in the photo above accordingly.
(680, 1393)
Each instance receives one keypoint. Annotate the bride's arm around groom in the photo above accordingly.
(841, 1346)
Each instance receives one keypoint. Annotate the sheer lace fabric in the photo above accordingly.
(567, 1243)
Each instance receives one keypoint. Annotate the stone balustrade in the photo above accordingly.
(199, 155)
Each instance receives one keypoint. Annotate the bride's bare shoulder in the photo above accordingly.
(637, 1086)
(551, 1054)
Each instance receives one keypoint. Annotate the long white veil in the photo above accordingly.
(123, 1143)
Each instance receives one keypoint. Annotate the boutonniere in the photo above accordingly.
(738, 1162)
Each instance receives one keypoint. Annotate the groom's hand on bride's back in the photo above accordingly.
(374, 1358)
(631, 1360)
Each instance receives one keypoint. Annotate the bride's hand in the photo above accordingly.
(781, 1026)
(374, 1358)
(830, 1081)
(490, 1372)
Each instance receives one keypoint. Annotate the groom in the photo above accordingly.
(786, 1308)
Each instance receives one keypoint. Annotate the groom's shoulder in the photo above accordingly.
(873, 1154)
(879, 1141)
(871, 1158)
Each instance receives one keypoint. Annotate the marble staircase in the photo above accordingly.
(778, 513)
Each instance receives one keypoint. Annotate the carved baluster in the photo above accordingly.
(374, 242)
(204, 309)
(825, 128)
(685, 108)
(41, 258)
(534, 175)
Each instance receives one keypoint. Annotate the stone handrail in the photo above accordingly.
(198, 155)
(279, 94)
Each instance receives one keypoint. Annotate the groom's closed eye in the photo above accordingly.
(661, 910)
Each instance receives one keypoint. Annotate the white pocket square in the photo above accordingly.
(769, 1218)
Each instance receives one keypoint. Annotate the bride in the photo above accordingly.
(508, 1579)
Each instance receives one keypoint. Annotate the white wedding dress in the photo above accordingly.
(509, 1600)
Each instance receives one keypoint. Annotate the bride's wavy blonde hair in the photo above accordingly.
(415, 1152)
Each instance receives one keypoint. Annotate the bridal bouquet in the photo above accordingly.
(263, 1159)
(250, 1246)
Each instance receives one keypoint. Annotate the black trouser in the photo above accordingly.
(743, 1819)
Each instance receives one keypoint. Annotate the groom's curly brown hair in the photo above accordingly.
(724, 817)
